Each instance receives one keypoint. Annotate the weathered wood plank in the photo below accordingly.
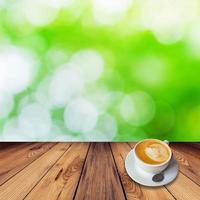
(134, 190)
(52, 171)
(100, 179)
(12, 148)
(132, 144)
(184, 189)
(61, 181)
(186, 149)
(21, 184)
(9, 145)
(188, 164)
(21, 156)
(196, 145)
(188, 158)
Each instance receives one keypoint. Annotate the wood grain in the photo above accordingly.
(22, 183)
(184, 189)
(4, 145)
(61, 181)
(88, 171)
(134, 190)
(188, 148)
(12, 148)
(99, 179)
(18, 158)
(188, 164)
(188, 158)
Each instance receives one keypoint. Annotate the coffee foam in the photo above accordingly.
(157, 152)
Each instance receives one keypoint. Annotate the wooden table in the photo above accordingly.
(64, 171)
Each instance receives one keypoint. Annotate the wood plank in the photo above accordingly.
(132, 189)
(186, 148)
(132, 144)
(188, 164)
(193, 144)
(9, 145)
(99, 179)
(61, 181)
(188, 158)
(21, 156)
(21, 184)
(12, 148)
(184, 189)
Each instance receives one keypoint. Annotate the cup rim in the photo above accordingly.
(154, 165)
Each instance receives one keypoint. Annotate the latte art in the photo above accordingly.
(157, 152)
(153, 151)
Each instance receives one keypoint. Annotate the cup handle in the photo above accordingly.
(166, 142)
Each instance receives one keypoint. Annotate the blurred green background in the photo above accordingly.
(99, 70)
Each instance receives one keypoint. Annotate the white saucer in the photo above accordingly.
(145, 178)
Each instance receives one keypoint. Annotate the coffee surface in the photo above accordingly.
(152, 152)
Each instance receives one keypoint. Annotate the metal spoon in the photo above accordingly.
(159, 177)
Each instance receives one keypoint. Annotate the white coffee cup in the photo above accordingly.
(152, 168)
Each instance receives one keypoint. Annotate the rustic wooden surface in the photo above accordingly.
(90, 171)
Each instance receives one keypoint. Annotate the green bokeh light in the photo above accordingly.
(97, 56)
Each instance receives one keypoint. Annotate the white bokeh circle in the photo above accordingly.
(137, 108)
(80, 115)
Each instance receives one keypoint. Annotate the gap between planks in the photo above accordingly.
(17, 188)
(175, 187)
(99, 174)
(182, 157)
(61, 180)
(70, 144)
(81, 171)
(28, 147)
(117, 171)
(186, 167)
(133, 189)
